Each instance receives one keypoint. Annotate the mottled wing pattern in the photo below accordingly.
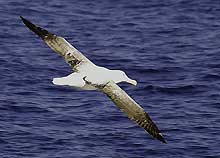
(71, 55)
(112, 90)
(132, 109)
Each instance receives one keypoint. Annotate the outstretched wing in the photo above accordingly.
(132, 109)
(71, 55)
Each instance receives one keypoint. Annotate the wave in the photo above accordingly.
(175, 90)
(211, 76)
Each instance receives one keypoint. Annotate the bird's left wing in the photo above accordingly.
(132, 109)
(70, 54)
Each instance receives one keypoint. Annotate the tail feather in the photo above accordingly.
(60, 81)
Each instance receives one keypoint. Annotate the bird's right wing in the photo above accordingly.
(132, 109)
(70, 54)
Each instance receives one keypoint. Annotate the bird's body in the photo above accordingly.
(95, 75)
(89, 76)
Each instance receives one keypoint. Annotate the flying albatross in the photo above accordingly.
(89, 76)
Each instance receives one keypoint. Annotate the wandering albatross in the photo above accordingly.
(89, 76)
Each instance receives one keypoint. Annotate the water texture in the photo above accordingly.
(172, 48)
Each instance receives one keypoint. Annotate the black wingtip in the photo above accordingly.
(36, 29)
(161, 138)
(21, 17)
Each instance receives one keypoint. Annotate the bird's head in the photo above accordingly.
(120, 76)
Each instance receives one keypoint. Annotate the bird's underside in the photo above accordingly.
(80, 63)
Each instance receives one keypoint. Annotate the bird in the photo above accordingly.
(88, 76)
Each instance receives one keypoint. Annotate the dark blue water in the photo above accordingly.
(172, 48)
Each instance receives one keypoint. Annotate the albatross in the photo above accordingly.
(89, 76)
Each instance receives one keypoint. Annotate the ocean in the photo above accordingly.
(172, 48)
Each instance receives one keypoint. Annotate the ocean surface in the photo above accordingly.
(172, 48)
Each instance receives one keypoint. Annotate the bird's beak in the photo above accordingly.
(133, 82)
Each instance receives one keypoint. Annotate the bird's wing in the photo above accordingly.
(71, 55)
(132, 109)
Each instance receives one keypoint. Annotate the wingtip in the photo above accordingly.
(25, 21)
(36, 29)
(161, 138)
(21, 17)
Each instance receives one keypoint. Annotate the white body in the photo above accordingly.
(96, 75)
